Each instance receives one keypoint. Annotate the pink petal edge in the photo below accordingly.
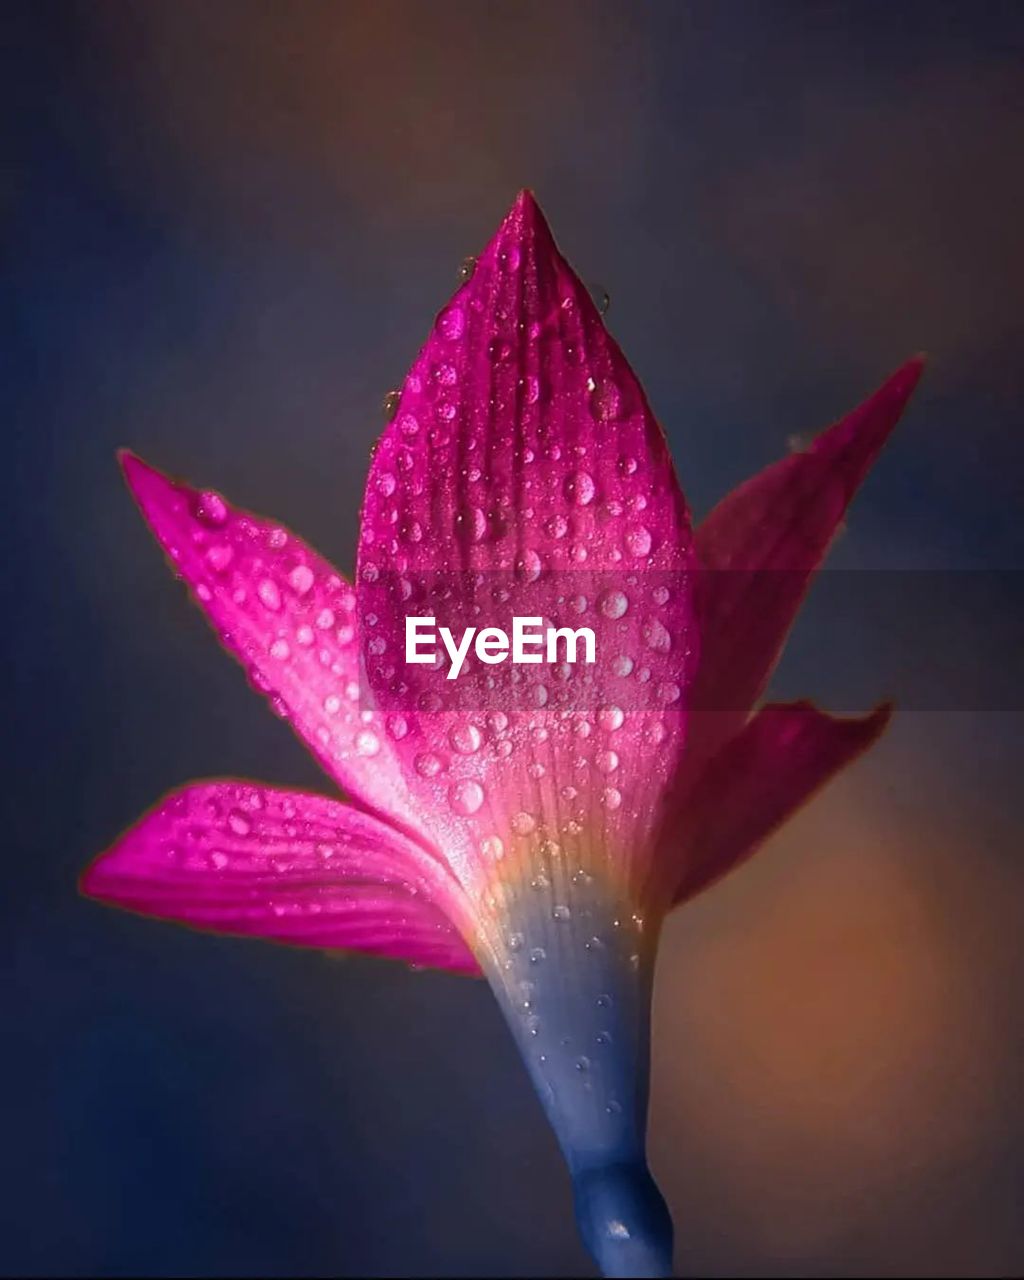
(757, 781)
(289, 617)
(760, 546)
(242, 858)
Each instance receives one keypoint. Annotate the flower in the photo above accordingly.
(531, 823)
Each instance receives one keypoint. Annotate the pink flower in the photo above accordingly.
(533, 823)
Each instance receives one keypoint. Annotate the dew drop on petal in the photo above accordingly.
(239, 823)
(656, 636)
(219, 556)
(280, 650)
(611, 798)
(397, 726)
(428, 765)
(210, 509)
(367, 743)
(561, 912)
(523, 823)
(529, 566)
(613, 604)
(580, 488)
(605, 400)
(607, 761)
(493, 847)
(466, 796)
(610, 717)
(390, 404)
(638, 540)
(270, 596)
(301, 579)
(465, 738)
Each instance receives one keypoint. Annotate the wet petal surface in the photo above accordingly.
(241, 858)
(289, 617)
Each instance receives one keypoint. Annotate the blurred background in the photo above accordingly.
(227, 228)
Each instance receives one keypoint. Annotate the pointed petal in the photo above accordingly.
(246, 859)
(523, 474)
(762, 543)
(758, 780)
(289, 617)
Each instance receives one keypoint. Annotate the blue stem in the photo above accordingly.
(575, 988)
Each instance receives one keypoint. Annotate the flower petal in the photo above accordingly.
(523, 474)
(761, 545)
(247, 859)
(758, 780)
(289, 617)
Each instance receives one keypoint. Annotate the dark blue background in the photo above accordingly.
(227, 227)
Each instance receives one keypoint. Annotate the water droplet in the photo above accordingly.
(239, 823)
(386, 484)
(472, 524)
(523, 823)
(301, 579)
(613, 604)
(466, 796)
(580, 488)
(493, 847)
(537, 955)
(610, 717)
(451, 323)
(561, 912)
(638, 541)
(656, 636)
(219, 556)
(408, 424)
(466, 269)
(367, 743)
(389, 404)
(499, 351)
(497, 721)
(280, 650)
(607, 761)
(617, 1229)
(209, 508)
(515, 941)
(604, 1001)
(605, 400)
(465, 738)
(428, 765)
(582, 1063)
(269, 595)
(611, 798)
(556, 526)
(529, 566)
